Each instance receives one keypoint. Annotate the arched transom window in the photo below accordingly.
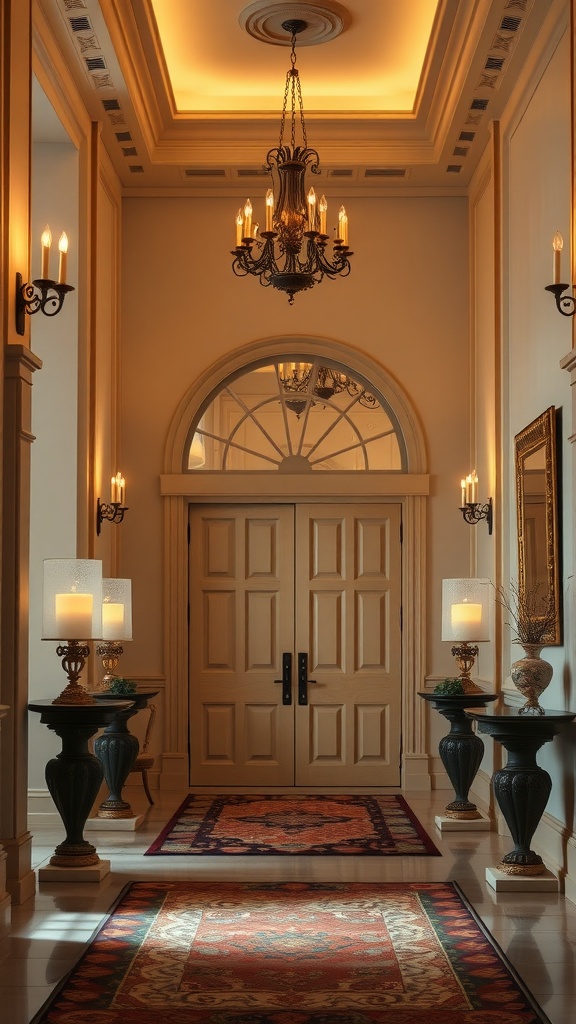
(296, 416)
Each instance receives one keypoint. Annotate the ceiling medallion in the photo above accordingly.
(264, 21)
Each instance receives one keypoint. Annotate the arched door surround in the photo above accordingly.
(181, 487)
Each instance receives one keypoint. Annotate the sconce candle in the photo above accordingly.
(118, 489)
(63, 250)
(46, 241)
(557, 246)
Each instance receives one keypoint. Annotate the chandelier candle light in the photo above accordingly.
(72, 611)
(292, 253)
(116, 626)
(466, 622)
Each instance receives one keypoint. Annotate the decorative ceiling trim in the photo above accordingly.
(324, 21)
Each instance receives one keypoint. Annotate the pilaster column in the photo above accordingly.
(5, 900)
(20, 364)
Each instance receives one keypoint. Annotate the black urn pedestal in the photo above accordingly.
(73, 778)
(522, 787)
(461, 752)
(117, 749)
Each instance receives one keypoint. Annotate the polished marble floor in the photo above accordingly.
(537, 931)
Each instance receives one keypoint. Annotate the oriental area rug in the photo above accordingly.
(312, 825)
(292, 953)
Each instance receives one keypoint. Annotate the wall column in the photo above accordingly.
(20, 364)
(15, 377)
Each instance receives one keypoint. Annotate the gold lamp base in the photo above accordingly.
(465, 655)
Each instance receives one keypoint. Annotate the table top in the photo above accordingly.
(49, 705)
(513, 716)
(451, 701)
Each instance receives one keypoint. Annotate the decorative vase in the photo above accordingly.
(531, 675)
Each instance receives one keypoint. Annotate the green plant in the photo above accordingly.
(449, 687)
(124, 686)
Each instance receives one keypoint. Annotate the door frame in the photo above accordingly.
(179, 489)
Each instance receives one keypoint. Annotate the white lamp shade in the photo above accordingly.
(72, 599)
(466, 610)
(116, 609)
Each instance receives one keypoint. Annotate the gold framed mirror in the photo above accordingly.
(538, 521)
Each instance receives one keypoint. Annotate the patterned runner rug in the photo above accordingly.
(377, 825)
(292, 953)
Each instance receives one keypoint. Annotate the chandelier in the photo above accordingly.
(290, 253)
(321, 381)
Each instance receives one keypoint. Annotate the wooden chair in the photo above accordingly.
(144, 761)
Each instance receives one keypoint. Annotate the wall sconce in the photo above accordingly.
(466, 621)
(565, 304)
(112, 511)
(116, 626)
(43, 293)
(72, 611)
(472, 509)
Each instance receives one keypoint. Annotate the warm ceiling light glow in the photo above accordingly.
(207, 57)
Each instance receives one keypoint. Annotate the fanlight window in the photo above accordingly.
(295, 417)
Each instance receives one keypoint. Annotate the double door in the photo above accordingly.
(294, 645)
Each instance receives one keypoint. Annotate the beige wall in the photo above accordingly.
(404, 305)
(521, 197)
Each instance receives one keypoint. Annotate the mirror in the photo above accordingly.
(537, 507)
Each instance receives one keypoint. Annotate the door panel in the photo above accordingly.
(241, 622)
(335, 607)
(348, 618)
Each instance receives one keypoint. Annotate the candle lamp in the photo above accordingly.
(466, 622)
(473, 511)
(43, 294)
(72, 611)
(112, 511)
(116, 626)
(565, 304)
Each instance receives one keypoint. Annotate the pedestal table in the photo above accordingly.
(74, 776)
(522, 787)
(461, 752)
(117, 749)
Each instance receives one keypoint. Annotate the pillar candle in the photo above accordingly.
(73, 616)
(112, 620)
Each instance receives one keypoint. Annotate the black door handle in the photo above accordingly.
(303, 679)
(286, 680)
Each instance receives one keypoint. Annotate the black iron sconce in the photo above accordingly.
(474, 511)
(43, 294)
(113, 510)
(565, 304)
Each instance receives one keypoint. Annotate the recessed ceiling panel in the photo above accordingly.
(375, 64)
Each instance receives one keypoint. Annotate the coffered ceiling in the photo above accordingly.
(398, 94)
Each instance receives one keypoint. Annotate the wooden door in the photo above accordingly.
(348, 624)
(312, 592)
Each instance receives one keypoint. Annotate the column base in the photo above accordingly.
(114, 824)
(446, 824)
(91, 873)
(503, 882)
